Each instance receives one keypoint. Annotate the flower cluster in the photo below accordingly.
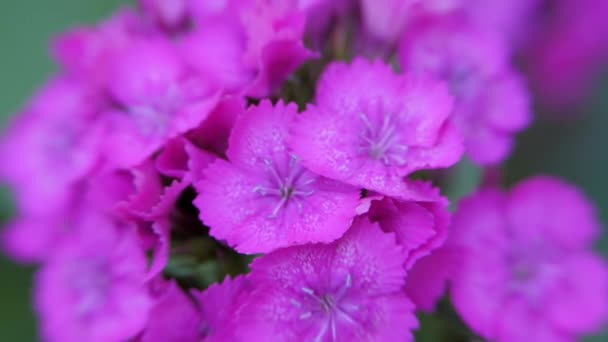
(258, 170)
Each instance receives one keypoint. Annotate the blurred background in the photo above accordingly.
(573, 149)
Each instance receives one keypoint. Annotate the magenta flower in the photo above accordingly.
(385, 20)
(182, 160)
(427, 280)
(246, 47)
(492, 102)
(218, 305)
(420, 222)
(349, 290)
(371, 127)
(168, 14)
(156, 97)
(52, 146)
(201, 316)
(173, 318)
(213, 133)
(91, 288)
(528, 271)
(574, 39)
(87, 52)
(263, 199)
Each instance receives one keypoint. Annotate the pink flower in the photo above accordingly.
(349, 290)
(263, 199)
(218, 305)
(420, 223)
(173, 318)
(52, 146)
(385, 19)
(182, 160)
(528, 271)
(420, 220)
(371, 127)
(213, 133)
(91, 288)
(573, 40)
(169, 14)
(156, 98)
(86, 52)
(246, 47)
(492, 103)
(200, 316)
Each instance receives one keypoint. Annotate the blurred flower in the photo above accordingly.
(92, 286)
(491, 101)
(527, 270)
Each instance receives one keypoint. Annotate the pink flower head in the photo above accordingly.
(349, 290)
(528, 271)
(157, 98)
(371, 127)
(246, 47)
(91, 288)
(263, 198)
(492, 103)
(52, 146)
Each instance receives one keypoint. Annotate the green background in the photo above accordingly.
(575, 150)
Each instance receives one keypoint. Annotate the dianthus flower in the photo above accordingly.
(420, 220)
(173, 318)
(263, 198)
(349, 290)
(87, 53)
(91, 287)
(201, 315)
(156, 98)
(491, 101)
(246, 47)
(527, 270)
(371, 127)
(60, 134)
(574, 40)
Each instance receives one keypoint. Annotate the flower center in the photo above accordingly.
(532, 271)
(382, 142)
(462, 80)
(290, 184)
(331, 307)
(152, 115)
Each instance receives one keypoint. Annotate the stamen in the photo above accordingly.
(382, 142)
(306, 315)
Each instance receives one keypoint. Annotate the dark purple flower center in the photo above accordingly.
(288, 185)
(381, 141)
